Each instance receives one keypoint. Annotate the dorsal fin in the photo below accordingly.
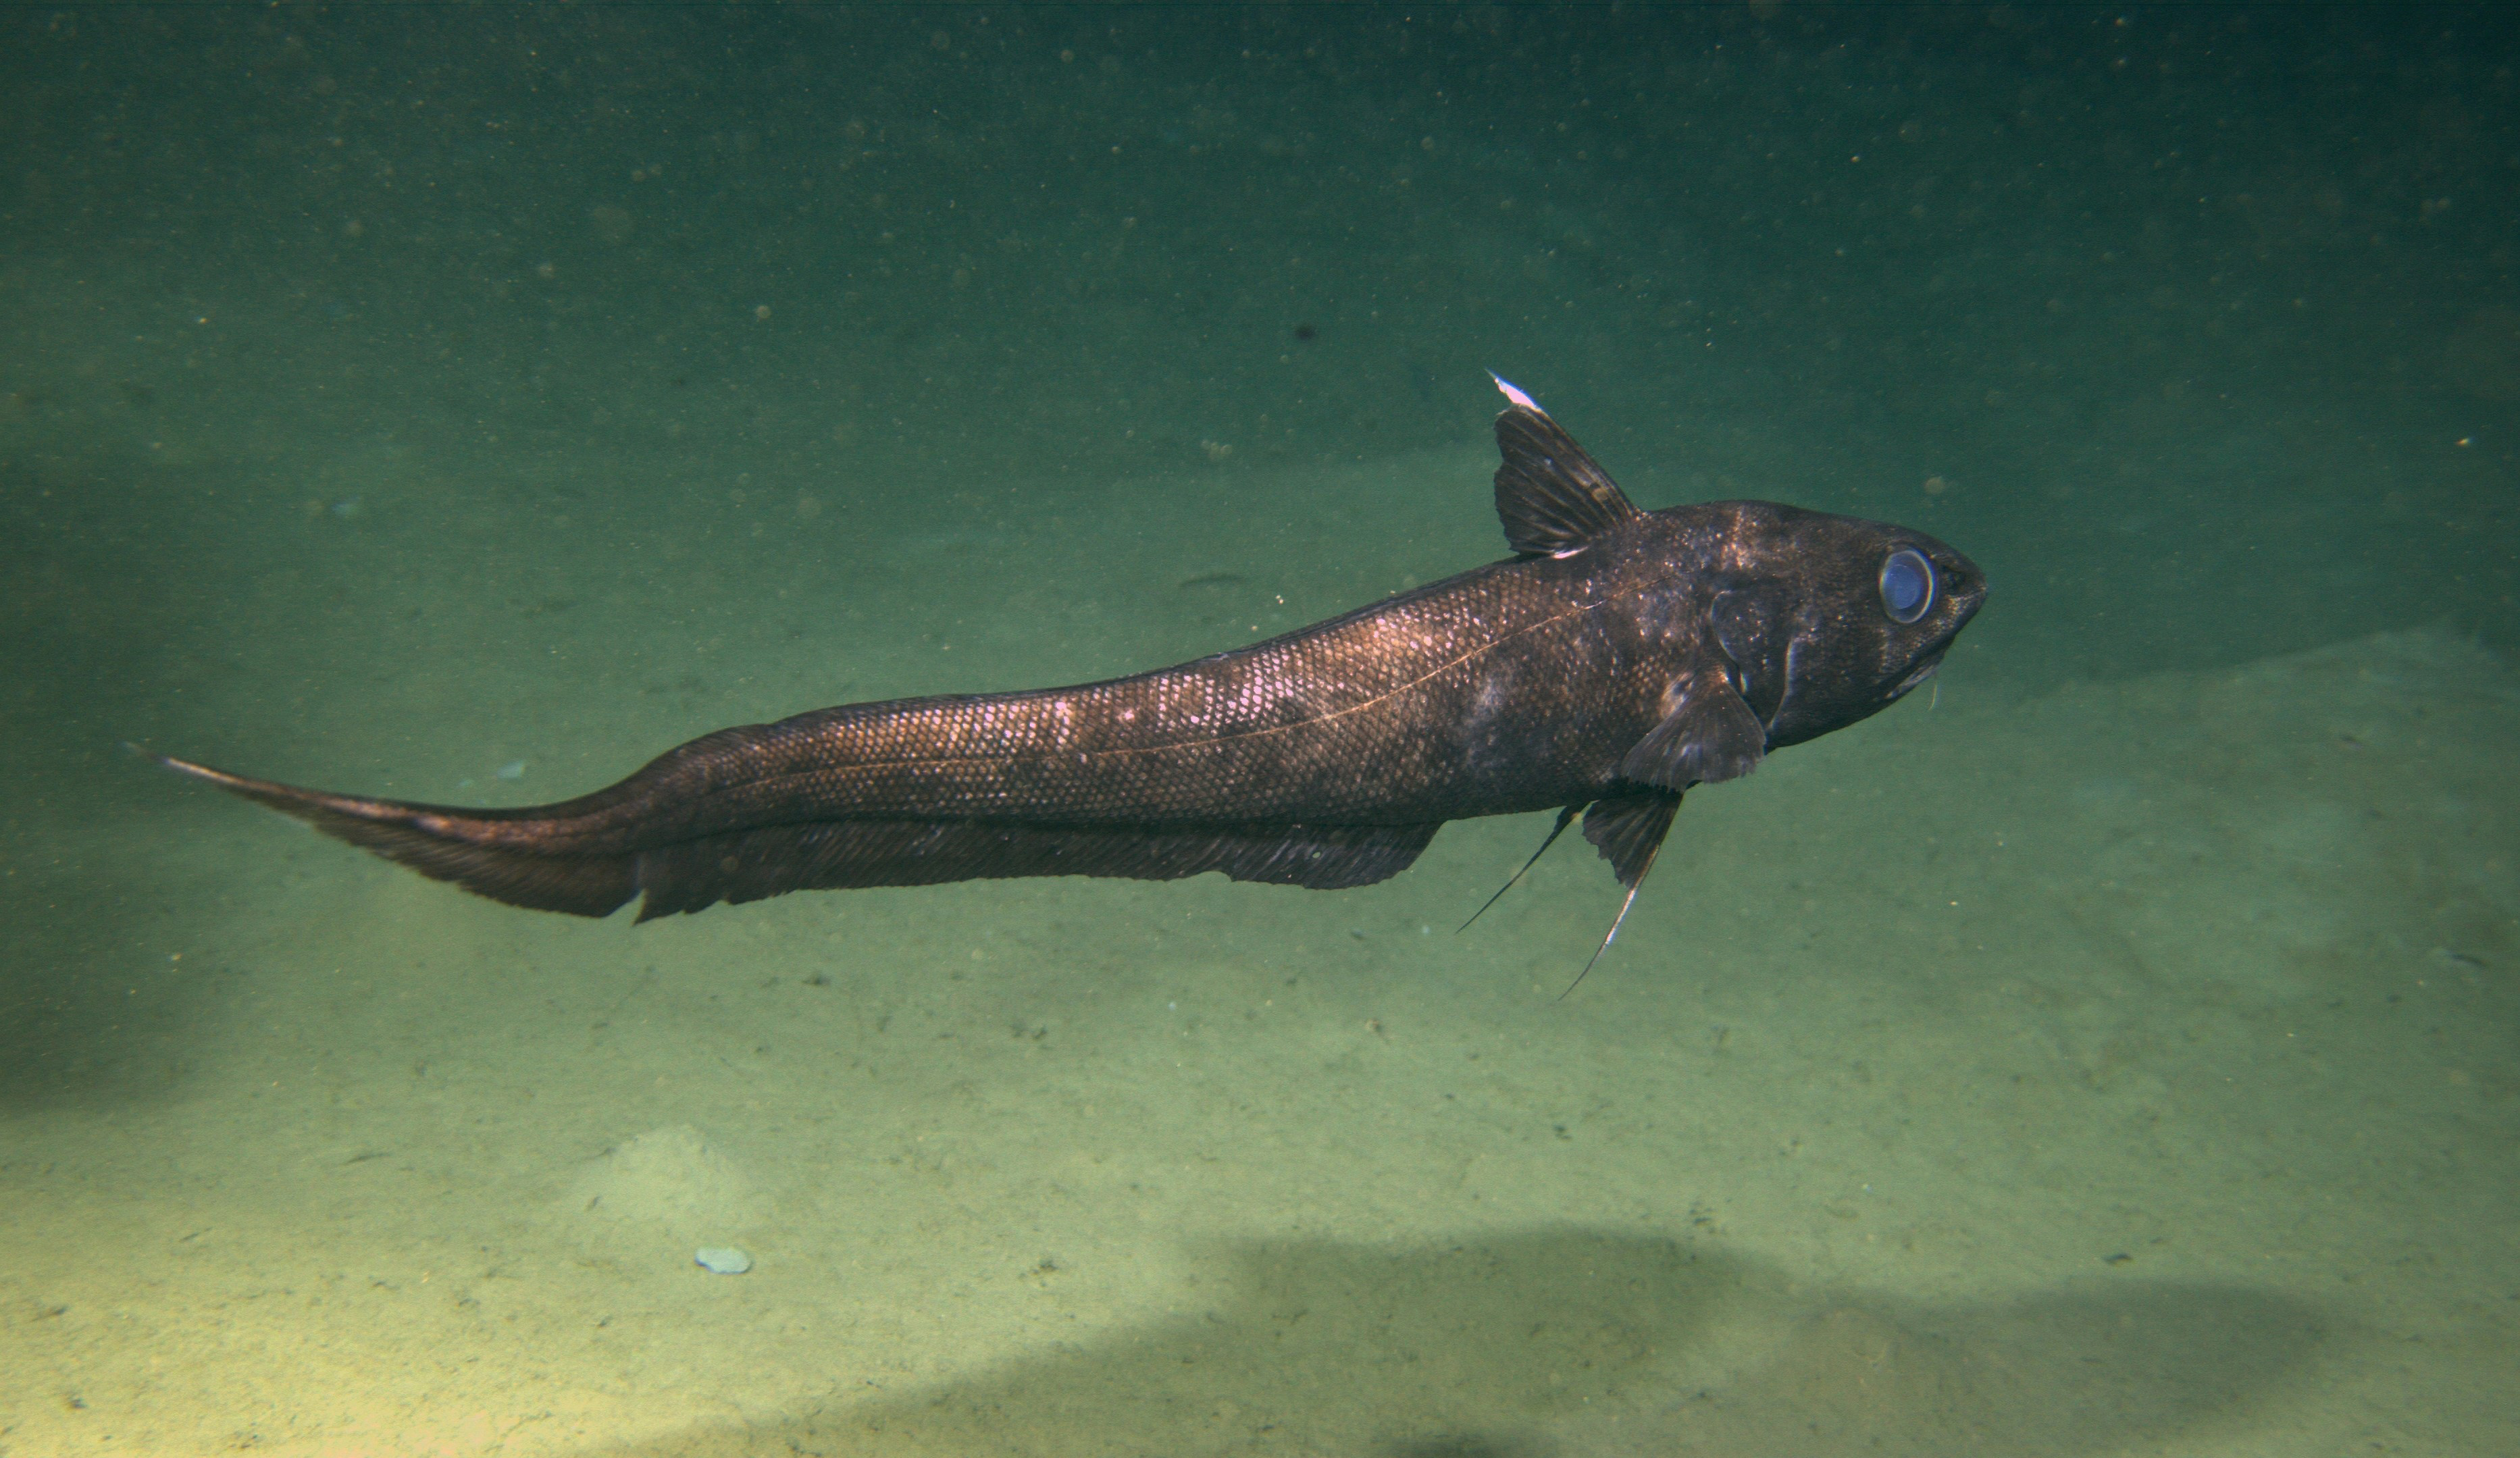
(1548, 494)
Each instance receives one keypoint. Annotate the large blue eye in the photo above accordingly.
(1906, 585)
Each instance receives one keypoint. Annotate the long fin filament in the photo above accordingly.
(1565, 817)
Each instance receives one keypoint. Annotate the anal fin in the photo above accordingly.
(750, 865)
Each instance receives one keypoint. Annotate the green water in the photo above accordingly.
(2113, 1053)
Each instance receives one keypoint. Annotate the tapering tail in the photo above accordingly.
(482, 851)
(581, 857)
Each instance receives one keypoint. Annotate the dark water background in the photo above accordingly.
(394, 397)
(2191, 305)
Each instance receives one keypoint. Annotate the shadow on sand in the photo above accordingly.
(1569, 1340)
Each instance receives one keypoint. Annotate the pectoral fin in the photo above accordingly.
(1709, 734)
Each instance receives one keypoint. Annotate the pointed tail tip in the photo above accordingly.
(187, 767)
(289, 799)
(455, 846)
(251, 788)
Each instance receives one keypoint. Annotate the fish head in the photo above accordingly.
(1826, 620)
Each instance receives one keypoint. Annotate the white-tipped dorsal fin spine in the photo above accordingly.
(1512, 394)
(1551, 497)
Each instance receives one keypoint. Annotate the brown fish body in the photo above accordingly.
(1515, 687)
(1623, 656)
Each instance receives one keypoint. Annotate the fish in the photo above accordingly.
(1617, 659)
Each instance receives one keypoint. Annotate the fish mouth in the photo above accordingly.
(1919, 673)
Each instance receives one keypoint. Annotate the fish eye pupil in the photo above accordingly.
(1906, 585)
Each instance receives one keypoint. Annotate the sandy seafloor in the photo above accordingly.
(2122, 1068)
(2111, 1053)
